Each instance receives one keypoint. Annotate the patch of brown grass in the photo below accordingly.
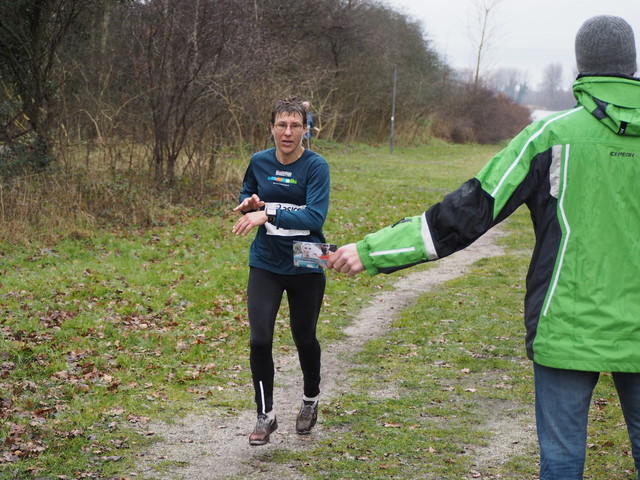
(44, 207)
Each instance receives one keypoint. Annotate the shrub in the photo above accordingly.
(480, 116)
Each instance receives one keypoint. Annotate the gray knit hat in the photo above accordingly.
(605, 45)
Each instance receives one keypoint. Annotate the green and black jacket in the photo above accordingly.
(578, 172)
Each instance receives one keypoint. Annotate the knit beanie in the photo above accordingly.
(605, 45)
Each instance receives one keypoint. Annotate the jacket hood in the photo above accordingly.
(615, 101)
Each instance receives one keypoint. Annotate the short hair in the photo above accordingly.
(290, 105)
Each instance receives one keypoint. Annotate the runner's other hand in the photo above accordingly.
(248, 221)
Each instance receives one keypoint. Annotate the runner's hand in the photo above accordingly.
(248, 221)
(249, 204)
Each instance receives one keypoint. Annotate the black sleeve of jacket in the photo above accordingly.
(460, 218)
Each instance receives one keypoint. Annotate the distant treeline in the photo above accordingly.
(178, 82)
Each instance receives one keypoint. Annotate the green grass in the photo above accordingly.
(104, 333)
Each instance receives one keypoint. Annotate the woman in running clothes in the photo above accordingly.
(285, 194)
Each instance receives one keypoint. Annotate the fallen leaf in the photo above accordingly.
(392, 425)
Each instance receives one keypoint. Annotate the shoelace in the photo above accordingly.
(307, 409)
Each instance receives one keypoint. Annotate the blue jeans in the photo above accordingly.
(563, 398)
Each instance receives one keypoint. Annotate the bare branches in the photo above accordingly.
(484, 33)
(176, 75)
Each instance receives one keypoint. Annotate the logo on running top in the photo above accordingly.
(282, 179)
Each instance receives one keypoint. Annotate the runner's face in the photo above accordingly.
(289, 138)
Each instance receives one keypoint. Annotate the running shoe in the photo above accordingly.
(307, 417)
(264, 428)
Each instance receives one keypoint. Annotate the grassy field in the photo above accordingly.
(103, 333)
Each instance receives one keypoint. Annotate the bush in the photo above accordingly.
(480, 116)
(19, 159)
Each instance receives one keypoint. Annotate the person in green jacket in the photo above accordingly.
(578, 172)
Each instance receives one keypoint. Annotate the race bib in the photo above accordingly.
(284, 232)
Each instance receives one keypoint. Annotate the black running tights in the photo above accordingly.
(305, 294)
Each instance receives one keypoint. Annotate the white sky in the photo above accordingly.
(528, 34)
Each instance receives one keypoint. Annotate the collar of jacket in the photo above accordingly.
(613, 100)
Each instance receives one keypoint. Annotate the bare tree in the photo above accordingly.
(509, 81)
(484, 33)
(180, 44)
(552, 79)
(31, 33)
(552, 91)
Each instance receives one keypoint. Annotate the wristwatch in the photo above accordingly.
(271, 212)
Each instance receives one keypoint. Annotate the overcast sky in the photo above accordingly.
(527, 35)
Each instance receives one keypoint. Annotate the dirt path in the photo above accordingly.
(203, 447)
